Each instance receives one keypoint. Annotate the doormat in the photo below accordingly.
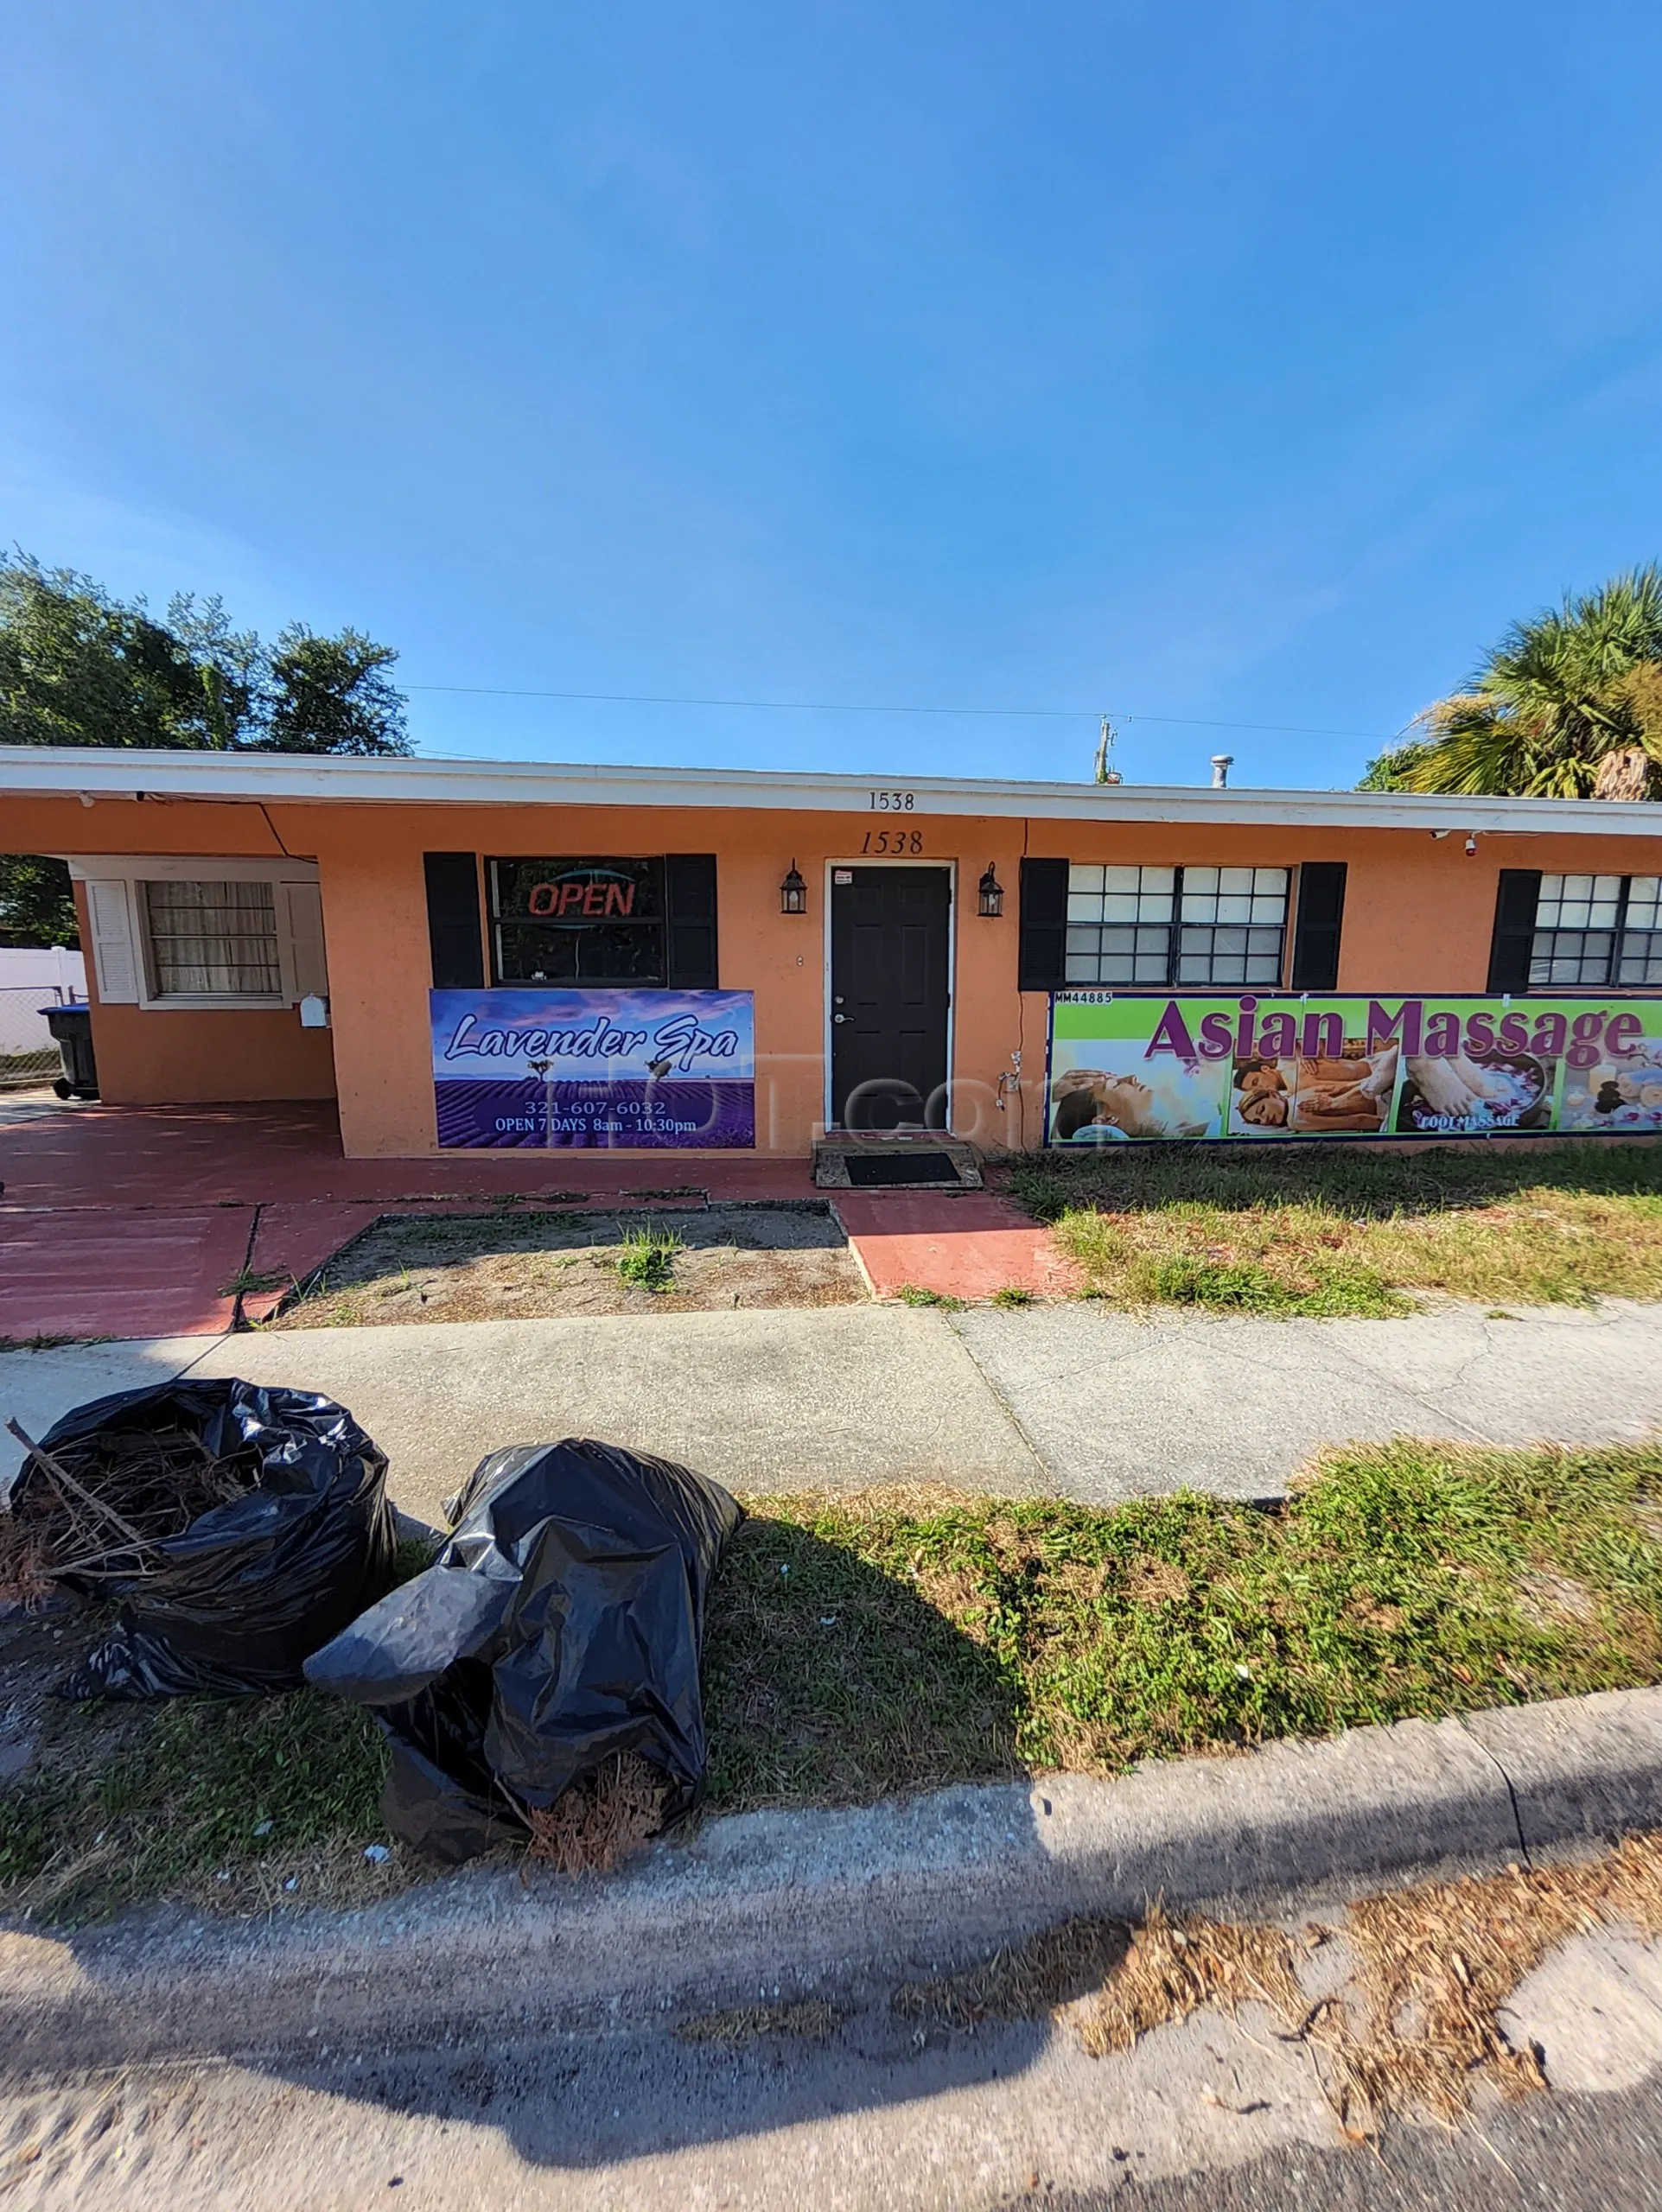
(869, 1169)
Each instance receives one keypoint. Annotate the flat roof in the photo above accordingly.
(39, 771)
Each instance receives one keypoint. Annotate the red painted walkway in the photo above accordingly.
(152, 1221)
(969, 1246)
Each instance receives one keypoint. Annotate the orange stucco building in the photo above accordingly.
(267, 927)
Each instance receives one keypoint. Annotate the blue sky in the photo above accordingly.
(1249, 363)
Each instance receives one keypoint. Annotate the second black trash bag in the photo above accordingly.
(560, 1626)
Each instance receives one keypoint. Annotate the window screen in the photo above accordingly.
(1163, 925)
(212, 940)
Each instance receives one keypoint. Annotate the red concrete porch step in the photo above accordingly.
(968, 1247)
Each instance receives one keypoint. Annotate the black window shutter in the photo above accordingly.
(1042, 953)
(452, 920)
(1514, 928)
(1315, 931)
(690, 882)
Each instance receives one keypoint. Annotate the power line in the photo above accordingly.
(848, 706)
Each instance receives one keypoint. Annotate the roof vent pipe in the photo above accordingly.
(1221, 765)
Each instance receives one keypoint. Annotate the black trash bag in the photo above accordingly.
(560, 1625)
(250, 1589)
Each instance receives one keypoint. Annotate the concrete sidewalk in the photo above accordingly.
(1069, 1399)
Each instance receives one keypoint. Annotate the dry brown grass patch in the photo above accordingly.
(599, 1821)
(1174, 1967)
(1548, 1599)
(1022, 1980)
(1434, 1965)
(956, 1594)
(1155, 1582)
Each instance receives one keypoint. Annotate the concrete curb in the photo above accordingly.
(772, 1902)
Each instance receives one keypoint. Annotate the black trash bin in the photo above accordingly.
(72, 1028)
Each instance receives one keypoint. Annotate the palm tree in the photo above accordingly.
(1569, 705)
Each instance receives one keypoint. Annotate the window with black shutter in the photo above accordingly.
(1316, 929)
(1041, 955)
(644, 920)
(452, 932)
(690, 881)
(1515, 902)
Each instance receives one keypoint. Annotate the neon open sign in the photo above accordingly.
(589, 896)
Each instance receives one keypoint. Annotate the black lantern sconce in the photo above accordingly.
(992, 894)
(793, 892)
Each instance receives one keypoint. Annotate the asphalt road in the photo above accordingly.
(1551, 2154)
(870, 2110)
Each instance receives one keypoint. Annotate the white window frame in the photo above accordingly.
(121, 950)
(1173, 929)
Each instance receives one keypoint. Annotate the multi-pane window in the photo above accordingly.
(1163, 925)
(578, 921)
(1233, 921)
(212, 940)
(1597, 930)
(1119, 924)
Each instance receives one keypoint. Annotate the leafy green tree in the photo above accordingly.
(1569, 705)
(230, 690)
(37, 906)
(80, 667)
(333, 695)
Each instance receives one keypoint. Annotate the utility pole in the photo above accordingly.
(1106, 772)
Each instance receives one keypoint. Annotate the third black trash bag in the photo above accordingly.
(561, 1625)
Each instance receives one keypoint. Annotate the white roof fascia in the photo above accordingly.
(187, 868)
(232, 777)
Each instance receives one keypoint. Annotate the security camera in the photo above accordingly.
(1471, 846)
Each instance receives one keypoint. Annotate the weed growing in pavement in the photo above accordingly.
(1012, 1294)
(1329, 1231)
(909, 1294)
(647, 1257)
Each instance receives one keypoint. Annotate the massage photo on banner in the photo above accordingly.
(1151, 1067)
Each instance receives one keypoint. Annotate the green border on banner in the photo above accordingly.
(1271, 1067)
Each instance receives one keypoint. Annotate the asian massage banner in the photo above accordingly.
(1127, 1067)
(624, 1070)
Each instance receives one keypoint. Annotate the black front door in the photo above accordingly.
(890, 937)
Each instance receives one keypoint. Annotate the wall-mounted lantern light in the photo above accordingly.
(992, 894)
(793, 892)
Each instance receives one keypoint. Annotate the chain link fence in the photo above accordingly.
(28, 1055)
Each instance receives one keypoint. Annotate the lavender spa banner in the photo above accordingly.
(623, 1070)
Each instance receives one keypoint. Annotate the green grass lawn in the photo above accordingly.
(861, 1647)
(1340, 1231)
